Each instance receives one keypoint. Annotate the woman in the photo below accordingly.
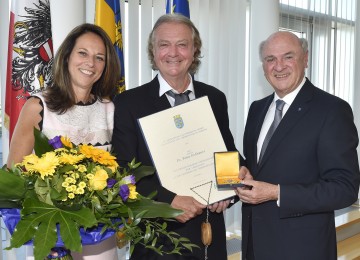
(77, 105)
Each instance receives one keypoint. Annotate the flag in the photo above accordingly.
(178, 6)
(30, 55)
(108, 17)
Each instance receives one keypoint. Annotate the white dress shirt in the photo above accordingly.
(164, 87)
(269, 118)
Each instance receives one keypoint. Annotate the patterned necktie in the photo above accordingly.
(179, 98)
(277, 118)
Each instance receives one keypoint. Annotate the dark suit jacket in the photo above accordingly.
(312, 155)
(128, 142)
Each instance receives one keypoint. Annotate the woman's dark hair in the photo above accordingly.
(60, 96)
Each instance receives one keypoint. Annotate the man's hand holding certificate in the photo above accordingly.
(182, 141)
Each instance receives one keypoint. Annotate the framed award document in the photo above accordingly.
(182, 141)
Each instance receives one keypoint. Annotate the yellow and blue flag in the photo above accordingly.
(178, 6)
(108, 17)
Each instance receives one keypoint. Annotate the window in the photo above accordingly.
(329, 27)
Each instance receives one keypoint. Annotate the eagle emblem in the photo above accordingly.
(32, 49)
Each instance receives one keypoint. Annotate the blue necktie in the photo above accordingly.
(277, 118)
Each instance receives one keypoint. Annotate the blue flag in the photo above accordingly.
(178, 6)
(108, 17)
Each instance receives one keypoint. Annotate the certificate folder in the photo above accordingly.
(182, 141)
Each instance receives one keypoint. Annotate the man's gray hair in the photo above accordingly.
(178, 19)
(303, 42)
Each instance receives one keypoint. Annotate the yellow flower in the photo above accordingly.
(70, 180)
(98, 155)
(29, 161)
(132, 191)
(80, 191)
(66, 141)
(45, 166)
(99, 180)
(65, 184)
(82, 168)
(71, 195)
(66, 158)
(82, 184)
(113, 168)
(69, 188)
(61, 150)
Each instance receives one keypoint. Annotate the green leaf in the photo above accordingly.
(12, 186)
(138, 217)
(142, 172)
(96, 203)
(49, 237)
(147, 234)
(153, 209)
(41, 145)
(152, 195)
(153, 243)
(66, 168)
(39, 221)
(8, 204)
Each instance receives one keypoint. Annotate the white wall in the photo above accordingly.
(356, 101)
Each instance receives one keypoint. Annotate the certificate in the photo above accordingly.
(182, 141)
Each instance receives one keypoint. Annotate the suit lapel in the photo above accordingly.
(160, 103)
(258, 126)
(199, 90)
(296, 111)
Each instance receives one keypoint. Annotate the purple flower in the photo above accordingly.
(130, 179)
(124, 192)
(56, 142)
(110, 183)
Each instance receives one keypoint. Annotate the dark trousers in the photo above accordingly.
(250, 249)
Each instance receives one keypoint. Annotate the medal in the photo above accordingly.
(206, 232)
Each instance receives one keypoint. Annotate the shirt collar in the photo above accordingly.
(164, 86)
(289, 98)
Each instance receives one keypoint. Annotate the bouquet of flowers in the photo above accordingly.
(64, 191)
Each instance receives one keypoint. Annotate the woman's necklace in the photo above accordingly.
(88, 100)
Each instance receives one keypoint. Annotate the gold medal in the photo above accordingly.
(206, 233)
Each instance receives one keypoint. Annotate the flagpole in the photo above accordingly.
(75, 13)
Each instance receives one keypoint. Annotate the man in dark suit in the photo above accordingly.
(309, 168)
(174, 49)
